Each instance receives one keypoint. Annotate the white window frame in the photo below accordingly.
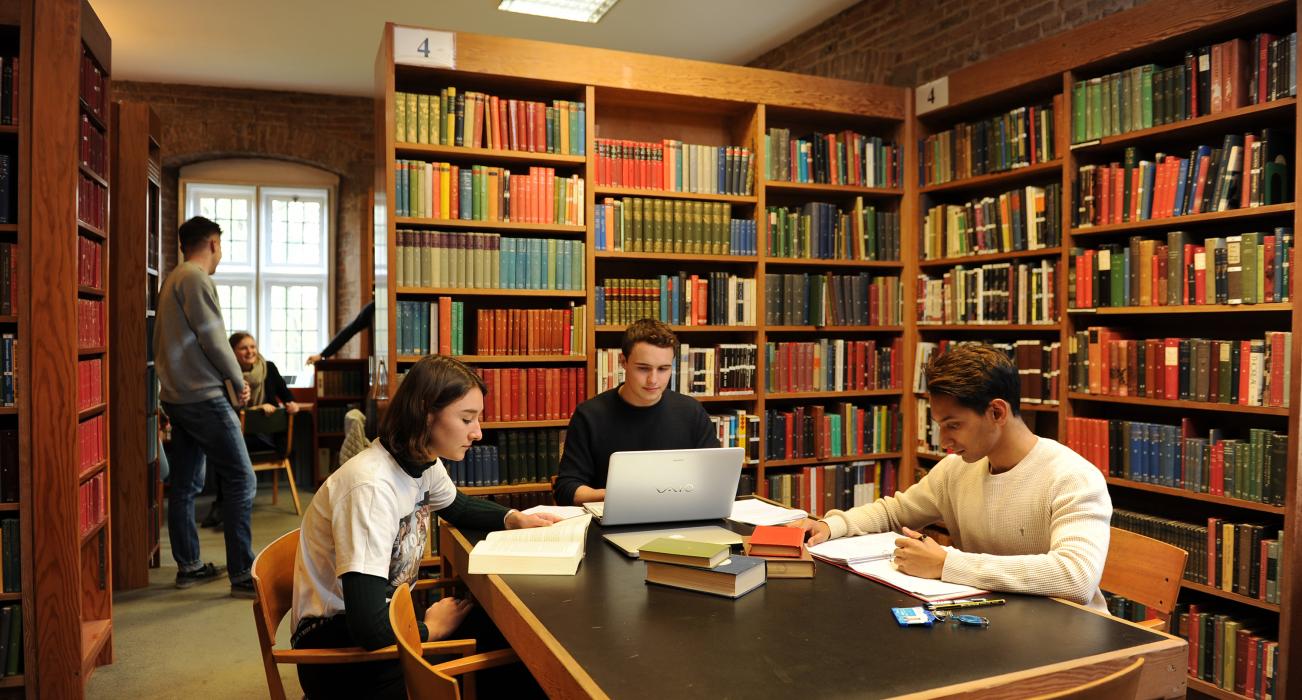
(261, 275)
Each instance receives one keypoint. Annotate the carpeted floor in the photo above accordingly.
(198, 643)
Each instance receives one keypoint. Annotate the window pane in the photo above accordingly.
(293, 323)
(297, 235)
(232, 210)
(234, 302)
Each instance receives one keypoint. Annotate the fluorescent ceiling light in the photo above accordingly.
(573, 10)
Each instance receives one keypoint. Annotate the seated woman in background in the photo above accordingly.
(267, 392)
(365, 533)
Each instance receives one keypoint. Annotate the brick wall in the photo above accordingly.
(909, 42)
(334, 133)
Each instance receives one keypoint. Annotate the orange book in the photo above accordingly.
(445, 325)
(777, 541)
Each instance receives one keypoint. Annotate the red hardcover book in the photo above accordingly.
(1276, 363)
(1200, 182)
(1241, 646)
(1192, 624)
(777, 540)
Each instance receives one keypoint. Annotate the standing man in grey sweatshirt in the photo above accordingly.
(195, 366)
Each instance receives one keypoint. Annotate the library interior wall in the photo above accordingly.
(909, 42)
(333, 133)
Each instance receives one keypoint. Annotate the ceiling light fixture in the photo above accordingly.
(573, 10)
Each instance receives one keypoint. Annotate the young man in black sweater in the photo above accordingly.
(637, 415)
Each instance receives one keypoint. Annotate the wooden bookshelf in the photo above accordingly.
(1275, 307)
(1207, 125)
(477, 225)
(1232, 217)
(1230, 595)
(135, 245)
(1195, 495)
(337, 383)
(992, 257)
(694, 102)
(1211, 690)
(67, 608)
(994, 181)
(1188, 405)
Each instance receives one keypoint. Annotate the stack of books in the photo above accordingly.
(701, 566)
(782, 549)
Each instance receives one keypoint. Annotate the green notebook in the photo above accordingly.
(687, 552)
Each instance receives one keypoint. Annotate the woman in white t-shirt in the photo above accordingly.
(365, 530)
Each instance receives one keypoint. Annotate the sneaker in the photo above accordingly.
(243, 589)
(203, 574)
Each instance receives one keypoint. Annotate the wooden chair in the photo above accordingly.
(1120, 685)
(254, 421)
(273, 585)
(1144, 570)
(426, 681)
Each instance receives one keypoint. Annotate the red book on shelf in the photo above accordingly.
(1277, 362)
(1200, 181)
(1193, 625)
(445, 325)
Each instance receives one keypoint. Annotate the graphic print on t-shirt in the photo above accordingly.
(409, 545)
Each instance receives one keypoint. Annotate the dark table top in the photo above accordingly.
(830, 636)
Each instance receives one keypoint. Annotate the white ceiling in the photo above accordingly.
(329, 46)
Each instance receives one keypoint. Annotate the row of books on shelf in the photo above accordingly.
(8, 465)
(840, 430)
(8, 370)
(91, 434)
(822, 230)
(1248, 268)
(487, 193)
(478, 260)
(478, 120)
(8, 192)
(532, 393)
(9, 294)
(1248, 170)
(89, 263)
(1210, 80)
(993, 293)
(1236, 654)
(833, 364)
(818, 489)
(92, 498)
(11, 97)
(11, 640)
(843, 158)
(813, 299)
(531, 331)
(522, 501)
(426, 327)
(90, 323)
(11, 544)
(90, 383)
(674, 166)
(513, 457)
(1239, 558)
(1018, 138)
(644, 225)
(93, 148)
(330, 417)
(340, 382)
(94, 86)
(1175, 456)
(1037, 365)
(92, 202)
(1104, 361)
(720, 370)
(712, 299)
(1028, 218)
(739, 429)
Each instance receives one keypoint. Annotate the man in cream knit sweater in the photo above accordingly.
(1026, 514)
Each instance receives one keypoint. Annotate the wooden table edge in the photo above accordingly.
(550, 663)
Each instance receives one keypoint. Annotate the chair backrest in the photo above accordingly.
(355, 440)
(273, 586)
(278, 421)
(1120, 685)
(1144, 570)
(424, 682)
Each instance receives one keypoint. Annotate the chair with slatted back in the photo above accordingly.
(426, 681)
(1120, 685)
(1146, 571)
(255, 422)
(273, 585)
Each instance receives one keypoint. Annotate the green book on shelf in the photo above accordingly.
(1146, 95)
(1078, 133)
(400, 116)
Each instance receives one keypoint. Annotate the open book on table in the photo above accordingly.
(555, 550)
(870, 556)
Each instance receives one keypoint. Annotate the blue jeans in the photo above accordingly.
(210, 431)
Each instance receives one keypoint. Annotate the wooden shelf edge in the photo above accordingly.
(1266, 307)
(833, 329)
(996, 327)
(1202, 686)
(983, 258)
(817, 395)
(489, 225)
(9, 318)
(94, 635)
(840, 459)
(994, 179)
(684, 329)
(522, 424)
(501, 359)
(11, 596)
(540, 487)
(90, 534)
(13, 506)
(500, 154)
(827, 188)
(1175, 222)
(686, 257)
(1199, 405)
(1195, 495)
(1227, 595)
(90, 471)
(823, 262)
(1256, 110)
(94, 231)
(609, 191)
(12, 681)
(478, 291)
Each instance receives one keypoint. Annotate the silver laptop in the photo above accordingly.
(663, 486)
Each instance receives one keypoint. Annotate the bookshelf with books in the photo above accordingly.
(16, 509)
(63, 175)
(659, 196)
(135, 253)
(341, 384)
(1177, 127)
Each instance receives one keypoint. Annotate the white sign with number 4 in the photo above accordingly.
(423, 47)
(931, 96)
